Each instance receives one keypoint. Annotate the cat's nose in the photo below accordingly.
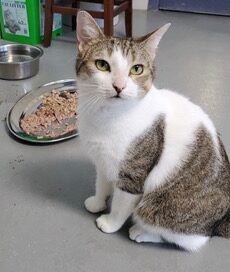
(118, 88)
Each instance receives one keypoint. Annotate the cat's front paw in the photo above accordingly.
(94, 205)
(107, 224)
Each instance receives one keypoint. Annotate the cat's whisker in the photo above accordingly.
(88, 94)
(88, 105)
(83, 105)
(86, 97)
(90, 85)
(96, 86)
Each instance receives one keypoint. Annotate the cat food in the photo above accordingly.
(55, 116)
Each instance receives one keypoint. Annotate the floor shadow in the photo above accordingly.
(66, 181)
(70, 182)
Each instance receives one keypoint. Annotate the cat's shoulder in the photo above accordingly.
(182, 109)
(170, 95)
(176, 100)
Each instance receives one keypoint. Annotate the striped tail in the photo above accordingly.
(223, 227)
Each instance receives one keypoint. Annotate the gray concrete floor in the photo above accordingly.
(43, 225)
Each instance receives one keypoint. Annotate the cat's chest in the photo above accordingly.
(108, 147)
(107, 153)
(108, 139)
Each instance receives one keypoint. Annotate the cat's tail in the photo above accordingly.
(223, 227)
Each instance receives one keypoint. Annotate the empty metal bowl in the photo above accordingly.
(18, 61)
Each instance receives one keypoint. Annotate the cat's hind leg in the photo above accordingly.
(192, 242)
(139, 235)
(175, 223)
(142, 232)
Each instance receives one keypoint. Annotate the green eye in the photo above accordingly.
(102, 65)
(137, 69)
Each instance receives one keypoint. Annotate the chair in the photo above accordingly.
(69, 7)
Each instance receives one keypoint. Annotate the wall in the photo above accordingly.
(140, 4)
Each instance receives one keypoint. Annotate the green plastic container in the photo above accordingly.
(23, 21)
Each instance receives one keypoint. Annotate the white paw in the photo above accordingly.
(93, 205)
(135, 232)
(107, 224)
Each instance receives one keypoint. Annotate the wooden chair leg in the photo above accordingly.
(108, 17)
(75, 4)
(129, 19)
(48, 23)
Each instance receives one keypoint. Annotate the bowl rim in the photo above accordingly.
(35, 140)
(38, 48)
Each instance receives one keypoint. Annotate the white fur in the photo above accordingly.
(108, 131)
(109, 125)
(97, 203)
(183, 118)
(146, 233)
(123, 205)
(138, 234)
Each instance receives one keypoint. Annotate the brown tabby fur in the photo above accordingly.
(196, 200)
(141, 158)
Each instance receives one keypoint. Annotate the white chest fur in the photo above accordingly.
(107, 133)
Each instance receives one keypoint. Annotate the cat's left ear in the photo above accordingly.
(152, 40)
(87, 30)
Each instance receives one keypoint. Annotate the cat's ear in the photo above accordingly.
(151, 41)
(87, 30)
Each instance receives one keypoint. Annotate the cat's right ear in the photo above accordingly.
(87, 30)
(151, 41)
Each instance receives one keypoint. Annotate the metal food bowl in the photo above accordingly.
(19, 61)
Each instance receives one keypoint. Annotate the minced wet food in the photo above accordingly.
(56, 116)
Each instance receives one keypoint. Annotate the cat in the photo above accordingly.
(154, 150)
(11, 22)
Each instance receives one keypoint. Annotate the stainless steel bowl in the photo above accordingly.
(18, 61)
(30, 102)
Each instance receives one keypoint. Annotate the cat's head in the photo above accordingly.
(114, 68)
(7, 14)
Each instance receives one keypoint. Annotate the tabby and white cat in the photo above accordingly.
(155, 150)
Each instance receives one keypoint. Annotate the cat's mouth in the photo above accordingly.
(116, 96)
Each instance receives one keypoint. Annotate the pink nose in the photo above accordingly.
(118, 88)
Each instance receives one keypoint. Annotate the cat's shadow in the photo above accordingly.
(67, 181)
(71, 182)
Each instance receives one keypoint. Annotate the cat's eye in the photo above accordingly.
(102, 65)
(137, 69)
